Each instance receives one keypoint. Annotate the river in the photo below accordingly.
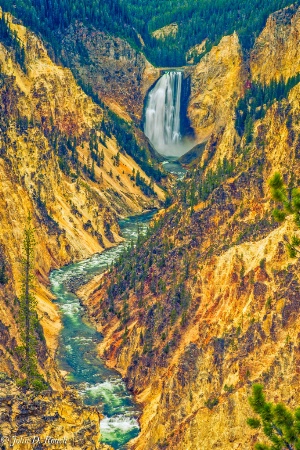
(77, 353)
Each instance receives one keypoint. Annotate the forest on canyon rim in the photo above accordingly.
(148, 303)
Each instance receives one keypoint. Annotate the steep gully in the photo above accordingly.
(77, 354)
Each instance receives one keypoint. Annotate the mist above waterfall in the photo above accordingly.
(163, 116)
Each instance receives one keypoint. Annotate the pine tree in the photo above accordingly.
(92, 172)
(3, 276)
(28, 304)
(28, 316)
(289, 201)
(101, 158)
(280, 425)
(117, 159)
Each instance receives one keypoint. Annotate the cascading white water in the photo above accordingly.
(162, 116)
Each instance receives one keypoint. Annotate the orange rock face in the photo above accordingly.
(212, 295)
(44, 116)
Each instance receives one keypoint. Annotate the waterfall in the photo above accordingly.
(162, 115)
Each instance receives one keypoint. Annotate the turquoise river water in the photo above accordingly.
(77, 354)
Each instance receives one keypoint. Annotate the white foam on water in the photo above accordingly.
(112, 391)
(71, 309)
(55, 283)
(69, 349)
(122, 423)
(98, 387)
(82, 339)
(108, 389)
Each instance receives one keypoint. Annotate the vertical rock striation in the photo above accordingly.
(276, 52)
(217, 82)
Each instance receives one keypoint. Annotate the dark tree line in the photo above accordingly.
(3, 277)
(257, 99)
(10, 39)
(197, 20)
(288, 200)
(198, 185)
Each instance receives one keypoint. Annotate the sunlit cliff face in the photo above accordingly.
(193, 376)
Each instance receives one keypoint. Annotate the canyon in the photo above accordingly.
(48, 128)
(211, 293)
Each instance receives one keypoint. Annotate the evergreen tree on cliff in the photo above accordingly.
(28, 315)
(288, 199)
(28, 304)
(280, 425)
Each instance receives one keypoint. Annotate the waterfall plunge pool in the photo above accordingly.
(172, 165)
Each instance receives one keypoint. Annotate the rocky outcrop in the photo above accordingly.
(195, 52)
(276, 52)
(166, 31)
(51, 419)
(217, 83)
(224, 74)
(119, 74)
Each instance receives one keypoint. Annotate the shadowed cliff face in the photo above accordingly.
(209, 303)
(119, 74)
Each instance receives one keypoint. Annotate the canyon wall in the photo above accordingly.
(74, 215)
(217, 82)
(276, 51)
(118, 73)
(213, 297)
(209, 303)
(61, 163)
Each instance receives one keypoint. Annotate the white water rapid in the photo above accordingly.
(163, 113)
